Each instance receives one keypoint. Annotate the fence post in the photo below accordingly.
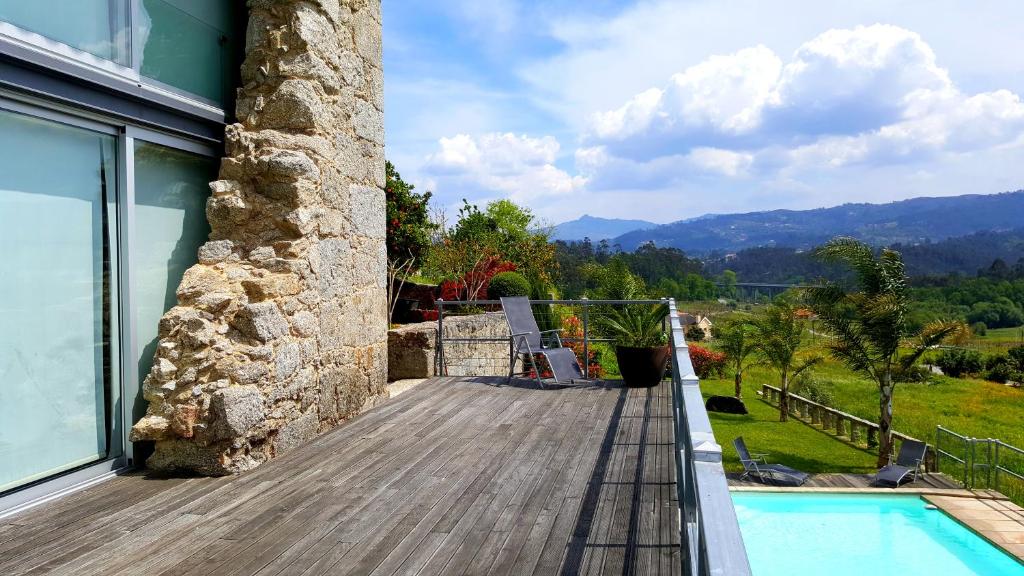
(586, 337)
(996, 466)
(439, 355)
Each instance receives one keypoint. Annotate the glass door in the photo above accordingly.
(59, 391)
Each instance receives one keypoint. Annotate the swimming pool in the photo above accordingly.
(858, 535)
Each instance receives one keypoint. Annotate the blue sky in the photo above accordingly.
(669, 109)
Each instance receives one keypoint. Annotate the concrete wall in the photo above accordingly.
(280, 330)
(412, 349)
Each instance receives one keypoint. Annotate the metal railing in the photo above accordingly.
(983, 463)
(710, 532)
(710, 540)
(586, 311)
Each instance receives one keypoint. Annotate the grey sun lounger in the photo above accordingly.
(908, 461)
(528, 341)
(755, 466)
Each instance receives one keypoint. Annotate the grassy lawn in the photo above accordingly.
(792, 443)
(998, 340)
(967, 406)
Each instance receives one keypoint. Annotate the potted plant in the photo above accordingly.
(641, 344)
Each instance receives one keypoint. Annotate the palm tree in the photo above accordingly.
(870, 325)
(778, 334)
(737, 341)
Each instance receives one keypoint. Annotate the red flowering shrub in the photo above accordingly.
(706, 363)
(572, 337)
(473, 284)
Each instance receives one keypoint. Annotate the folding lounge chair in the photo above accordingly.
(908, 461)
(755, 465)
(528, 339)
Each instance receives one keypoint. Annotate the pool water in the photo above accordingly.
(858, 535)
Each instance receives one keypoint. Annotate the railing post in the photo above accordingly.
(439, 355)
(854, 432)
(996, 465)
(815, 415)
(872, 437)
(586, 338)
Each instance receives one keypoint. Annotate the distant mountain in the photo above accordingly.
(907, 222)
(597, 228)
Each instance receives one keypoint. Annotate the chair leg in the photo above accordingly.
(533, 362)
(513, 352)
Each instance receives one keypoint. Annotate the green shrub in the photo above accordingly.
(814, 390)
(979, 329)
(1002, 372)
(694, 333)
(957, 362)
(506, 284)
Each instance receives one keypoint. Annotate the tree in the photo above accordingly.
(778, 334)
(736, 340)
(408, 230)
(871, 324)
(502, 230)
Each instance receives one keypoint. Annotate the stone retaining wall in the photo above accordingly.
(412, 349)
(280, 329)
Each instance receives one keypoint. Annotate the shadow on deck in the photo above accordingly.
(458, 475)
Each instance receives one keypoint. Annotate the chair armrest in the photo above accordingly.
(761, 455)
(519, 334)
(552, 330)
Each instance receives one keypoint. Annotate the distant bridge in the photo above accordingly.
(770, 289)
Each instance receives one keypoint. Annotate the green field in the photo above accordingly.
(792, 443)
(971, 407)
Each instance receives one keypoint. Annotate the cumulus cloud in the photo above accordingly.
(509, 165)
(871, 94)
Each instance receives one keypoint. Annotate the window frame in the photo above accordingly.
(48, 53)
(124, 345)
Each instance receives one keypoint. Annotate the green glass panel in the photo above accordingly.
(98, 27)
(171, 188)
(188, 44)
(57, 334)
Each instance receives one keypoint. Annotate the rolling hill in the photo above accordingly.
(906, 222)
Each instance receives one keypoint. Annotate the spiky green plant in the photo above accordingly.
(636, 325)
(870, 327)
(778, 335)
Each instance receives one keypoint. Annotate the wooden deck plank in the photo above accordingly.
(458, 475)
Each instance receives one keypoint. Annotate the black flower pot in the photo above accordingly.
(642, 367)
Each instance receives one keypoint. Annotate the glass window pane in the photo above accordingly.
(99, 27)
(188, 44)
(171, 188)
(57, 207)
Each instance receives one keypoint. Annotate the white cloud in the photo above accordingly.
(724, 162)
(871, 94)
(507, 165)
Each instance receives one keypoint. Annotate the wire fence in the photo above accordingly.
(981, 463)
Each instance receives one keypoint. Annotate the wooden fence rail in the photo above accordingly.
(858, 430)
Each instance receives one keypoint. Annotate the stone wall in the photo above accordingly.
(280, 329)
(412, 349)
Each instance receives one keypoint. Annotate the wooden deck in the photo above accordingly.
(456, 476)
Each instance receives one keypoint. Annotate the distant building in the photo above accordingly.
(702, 322)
